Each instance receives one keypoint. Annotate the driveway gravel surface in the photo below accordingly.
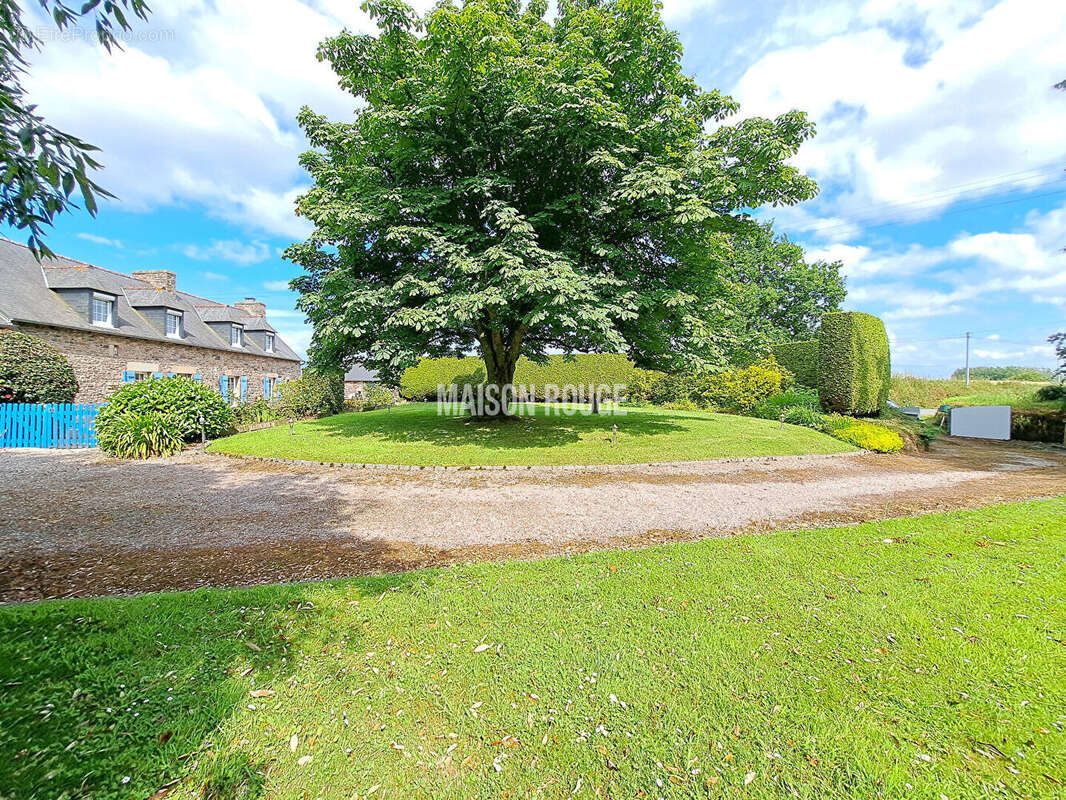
(75, 523)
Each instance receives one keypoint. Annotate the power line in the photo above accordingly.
(822, 231)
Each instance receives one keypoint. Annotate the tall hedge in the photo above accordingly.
(32, 371)
(420, 381)
(801, 359)
(854, 363)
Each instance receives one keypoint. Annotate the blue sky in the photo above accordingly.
(940, 152)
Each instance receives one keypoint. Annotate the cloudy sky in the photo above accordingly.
(941, 149)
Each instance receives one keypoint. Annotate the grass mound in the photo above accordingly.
(911, 658)
(415, 434)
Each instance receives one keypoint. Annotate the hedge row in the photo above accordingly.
(854, 364)
(420, 382)
(801, 359)
(1038, 426)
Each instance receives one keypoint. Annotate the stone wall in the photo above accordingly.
(99, 359)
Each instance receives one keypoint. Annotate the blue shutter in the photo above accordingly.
(157, 374)
(171, 374)
(266, 388)
(223, 387)
(198, 378)
(244, 388)
(129, 376)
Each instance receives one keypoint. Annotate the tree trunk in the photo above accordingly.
(500, 354)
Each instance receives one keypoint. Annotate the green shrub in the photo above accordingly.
(805, 417)
(259, 410)
(316, 394)
(643, 386)
(801, 359)
(133, 434)
(1038, 426)
(32, 371)
(741, 389)
(181, 400)
(775, 405)
(854, 365)
(863, 434)
(378, 397)
(1051, 392)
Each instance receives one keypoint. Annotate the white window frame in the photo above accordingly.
(109, 301)
(236, 335)
(177, 316)
(268, 342)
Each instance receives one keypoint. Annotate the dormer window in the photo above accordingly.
(102, 310)
(174, 324)
(236, 335)
(268, 342)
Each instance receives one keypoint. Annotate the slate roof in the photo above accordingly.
(27, 294)
(359, 373)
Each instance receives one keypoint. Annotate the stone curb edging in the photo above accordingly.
(530, 467)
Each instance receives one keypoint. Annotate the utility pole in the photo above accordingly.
(967, 358)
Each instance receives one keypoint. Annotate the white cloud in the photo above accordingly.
(276, 286)
(913, 120)
(214, 276)
(92, 237)
(229, 250)
(292, 328)
(206, 114)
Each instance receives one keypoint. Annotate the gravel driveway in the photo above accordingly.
(76, 523)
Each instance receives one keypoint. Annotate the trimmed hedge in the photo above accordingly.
(32, 371)
(801, 359)
(420, 382)
(854, 363)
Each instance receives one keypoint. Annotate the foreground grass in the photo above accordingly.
(416, 434)
(912, 658)
(907, 390)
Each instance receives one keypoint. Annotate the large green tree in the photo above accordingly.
(521, 184)
(775, 294)
(40, 165)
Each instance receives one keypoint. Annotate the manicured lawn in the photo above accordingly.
(416, 434)
(913, 658)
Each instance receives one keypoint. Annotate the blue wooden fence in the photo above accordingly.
(62, 425)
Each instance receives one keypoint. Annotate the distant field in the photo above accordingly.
(908, 390)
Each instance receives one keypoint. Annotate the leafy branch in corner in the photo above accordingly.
(42, 166)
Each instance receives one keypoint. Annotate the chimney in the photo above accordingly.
(159, 278)
(252, 307)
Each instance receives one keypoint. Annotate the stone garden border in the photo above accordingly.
(529, 467)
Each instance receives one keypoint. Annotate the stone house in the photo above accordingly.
(117, 328)
(357, 380)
